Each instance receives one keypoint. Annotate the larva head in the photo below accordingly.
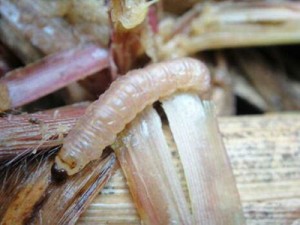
(67, 164)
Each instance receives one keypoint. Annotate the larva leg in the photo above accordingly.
(126, 97)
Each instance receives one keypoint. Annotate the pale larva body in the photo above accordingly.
(126, 97)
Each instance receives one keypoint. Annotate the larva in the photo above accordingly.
(125, 98)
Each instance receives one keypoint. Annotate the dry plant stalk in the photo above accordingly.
(222, 94)
(264, 155)
(25, 134)
(146, 160)
(263, 152)
(243, 89)
(214, 25)
(213, 194)
(277, 94)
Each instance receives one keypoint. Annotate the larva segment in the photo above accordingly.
(126, 97)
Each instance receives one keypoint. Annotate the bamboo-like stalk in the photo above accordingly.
(25, 85)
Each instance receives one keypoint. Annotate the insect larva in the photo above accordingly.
(125, 98)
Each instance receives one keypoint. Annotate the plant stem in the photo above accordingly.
(25, 85)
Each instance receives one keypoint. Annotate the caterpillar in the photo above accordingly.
(125, 98)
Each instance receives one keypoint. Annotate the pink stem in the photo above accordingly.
(25, 85)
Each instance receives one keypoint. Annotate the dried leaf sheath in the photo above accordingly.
(28, 133)
(147, 163)
(213, 194)
(145, 157)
